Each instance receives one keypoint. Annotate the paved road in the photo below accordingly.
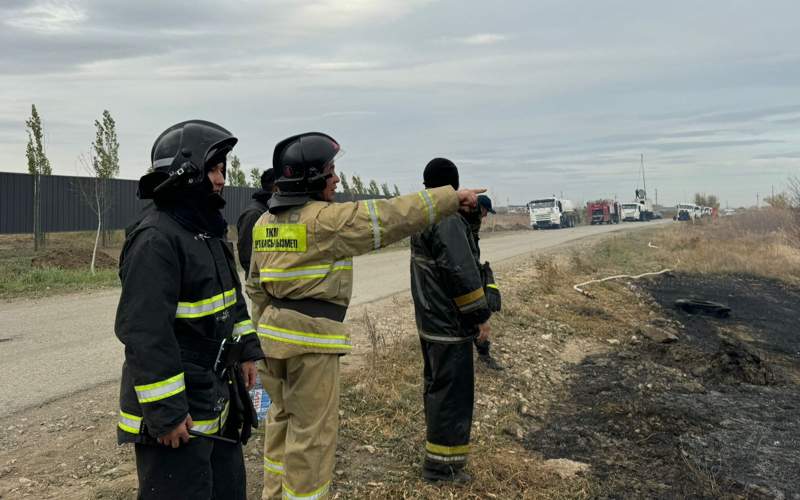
(57, 346)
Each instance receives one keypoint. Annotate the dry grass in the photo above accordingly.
(544, 326)
(383, 411)
(759, 243)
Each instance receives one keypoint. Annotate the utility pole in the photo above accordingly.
(656, 196)
(758, 202)
(644, 180)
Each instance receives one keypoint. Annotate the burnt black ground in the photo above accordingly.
(716, 414)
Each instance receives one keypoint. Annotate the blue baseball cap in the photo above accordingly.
(485, 202)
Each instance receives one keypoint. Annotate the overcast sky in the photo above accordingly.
(528, 97)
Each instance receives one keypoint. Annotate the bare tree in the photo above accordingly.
(794, 191)
(780, 200)
(706, 200)
(396, 190)
(385, 190)
(93, 193)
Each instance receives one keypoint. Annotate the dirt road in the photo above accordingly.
(60, 345)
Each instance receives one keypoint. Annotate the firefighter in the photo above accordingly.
(190, 347)
(300, 282)
(475, 218)
(451, 309)
(248, 218)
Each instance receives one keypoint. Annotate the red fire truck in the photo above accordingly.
(603, 212)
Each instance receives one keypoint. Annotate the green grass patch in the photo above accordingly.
(19, 279)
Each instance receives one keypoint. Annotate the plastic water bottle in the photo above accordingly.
(260, 399)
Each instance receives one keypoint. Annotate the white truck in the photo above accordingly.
(645, 207)
(686, 211)
(552, 213)
(631, 212)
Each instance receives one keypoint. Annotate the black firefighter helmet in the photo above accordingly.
(182, 156)
(299, 164)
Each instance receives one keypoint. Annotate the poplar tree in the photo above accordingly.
(38, 165)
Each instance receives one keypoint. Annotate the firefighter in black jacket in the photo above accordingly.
(451, 309)
(190, 347)
(248, 218)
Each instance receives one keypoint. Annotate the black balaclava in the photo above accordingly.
(440, 172)
(198, 208)
(267, 183)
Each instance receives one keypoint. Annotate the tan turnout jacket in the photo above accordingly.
(307, 252)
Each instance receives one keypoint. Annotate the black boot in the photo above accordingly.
(455, 477)
(490, 362)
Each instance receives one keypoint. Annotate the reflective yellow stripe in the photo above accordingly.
(243, 328)
(206, 307)
(469, 298)
(343, 265)
(129, 423)
(273, 466)
(314, 495)
(279, 334)
(160, 390)
(213, 425)
(492, 285)
(446, 451)
(303, 272)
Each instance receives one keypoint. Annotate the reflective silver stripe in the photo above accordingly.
(450, 459)
(307, 272)
(443, 339)
(273, 466)
(243, 328)
(311, 272)
(163, 162)
(376, 228)
(129, 423)
(426, 197)
(206, 307)
(303, 338)
(314, 495)
(160, 390)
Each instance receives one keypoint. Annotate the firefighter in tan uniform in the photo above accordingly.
(300, 281)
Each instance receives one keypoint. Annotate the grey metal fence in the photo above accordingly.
(64, 206)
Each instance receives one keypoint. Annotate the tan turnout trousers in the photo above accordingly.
(300, 442)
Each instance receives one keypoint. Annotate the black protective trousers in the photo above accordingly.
(201, 470)
(449, 396)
